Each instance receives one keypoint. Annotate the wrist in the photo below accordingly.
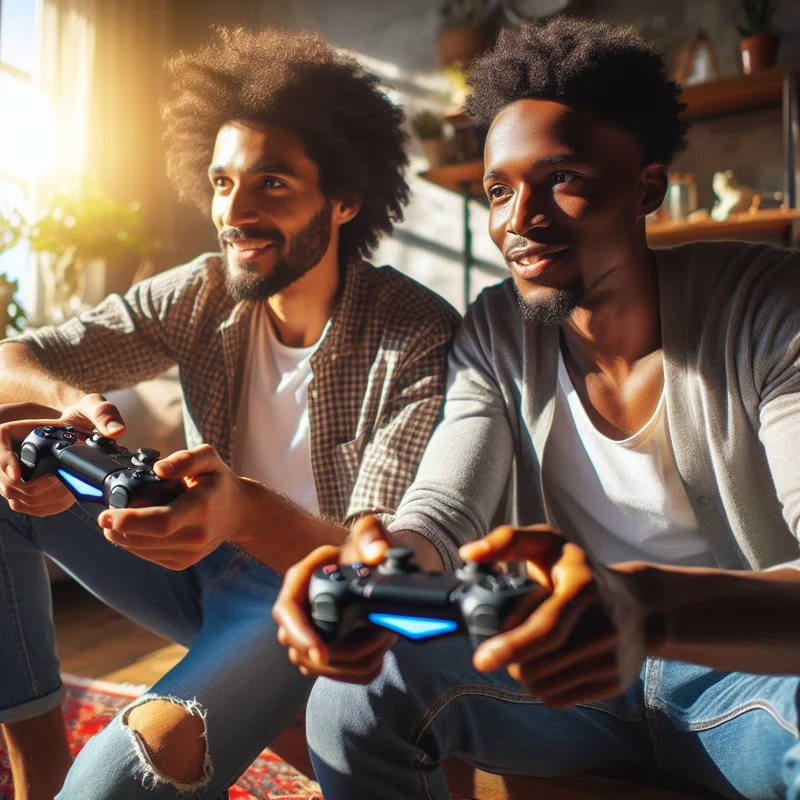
(251, 498)
(653, 589)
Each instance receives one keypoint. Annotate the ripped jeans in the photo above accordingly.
(235, 675)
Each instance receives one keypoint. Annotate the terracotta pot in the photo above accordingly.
(461, 44)
(758, 52)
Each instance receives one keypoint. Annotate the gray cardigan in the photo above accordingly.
(730, 323)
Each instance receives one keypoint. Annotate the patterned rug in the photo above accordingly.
(90, 705)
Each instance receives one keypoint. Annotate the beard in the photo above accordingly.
(556, 309)
(305, 250)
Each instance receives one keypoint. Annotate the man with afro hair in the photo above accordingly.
(311, 383)
(638, 414)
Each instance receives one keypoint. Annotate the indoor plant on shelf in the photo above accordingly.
(12, 316)
(759, 45)
(427, 126)
(78, 233)
(462, 36)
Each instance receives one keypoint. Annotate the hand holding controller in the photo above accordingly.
(95, 468)
(475, 599)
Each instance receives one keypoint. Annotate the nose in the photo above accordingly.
(527, 212)
(238, 208)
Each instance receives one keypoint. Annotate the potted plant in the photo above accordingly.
(79, 229)
(759, 45)
(12, 317)
(462, 36)
(427, 126)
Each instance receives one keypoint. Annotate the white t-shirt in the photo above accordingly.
(624, 500)
(272, 439)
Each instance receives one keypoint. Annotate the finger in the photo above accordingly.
(543, 632)
(603, 668)
(369, 539)
(12, 412)
(103, 415)
(542, 666)
(156, 522)
(41, 509)
(290, 610)
(183, 541)
(362, 647)
(44, 485)
(362, 673)
(190, 463)
(538, 544)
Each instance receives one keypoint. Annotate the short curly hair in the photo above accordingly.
(348, 126)
(608, 70)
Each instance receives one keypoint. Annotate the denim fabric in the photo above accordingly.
(725, 731)
(235, 673)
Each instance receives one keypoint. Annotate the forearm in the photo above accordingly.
(278, 532)
(740, 621)
(24, 379)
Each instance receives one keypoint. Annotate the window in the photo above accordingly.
(18, 132)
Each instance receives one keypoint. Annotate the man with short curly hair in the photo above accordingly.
(311, 374)
(639, 412)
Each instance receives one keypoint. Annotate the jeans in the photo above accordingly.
(235, 675)
(726, 731)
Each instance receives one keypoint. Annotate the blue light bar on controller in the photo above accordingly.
(79, 486)
(414, 627)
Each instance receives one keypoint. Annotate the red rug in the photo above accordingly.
(90, 705)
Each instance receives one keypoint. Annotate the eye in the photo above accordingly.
(496, 192)
(219, 182)
(272, 183)
(563, 177)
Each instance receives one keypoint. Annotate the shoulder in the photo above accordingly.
(403, 304)
(196, 285)
(710, 267)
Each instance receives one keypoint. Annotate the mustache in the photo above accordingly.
(240, 234)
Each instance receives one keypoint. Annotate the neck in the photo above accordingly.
(618, 323)
(301, 311)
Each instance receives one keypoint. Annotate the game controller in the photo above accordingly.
(95, 468)
(475, 599)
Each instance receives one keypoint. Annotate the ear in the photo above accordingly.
(344, 210)
(654, 182)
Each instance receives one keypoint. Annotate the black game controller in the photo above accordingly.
(475, 599)
(95, 468)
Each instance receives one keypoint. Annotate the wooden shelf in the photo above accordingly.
(763, 89)
(739, 226)
(467, 176)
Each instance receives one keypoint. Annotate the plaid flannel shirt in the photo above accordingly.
(378, 377)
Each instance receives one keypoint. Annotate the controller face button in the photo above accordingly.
(69, 427)
(48, 430)
(363, 572)
(67, 436)
(60, 445)
(138, 474)
(330, 569)
(357, 565)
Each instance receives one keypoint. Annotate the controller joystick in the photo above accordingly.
(398, 562)
(95, 468)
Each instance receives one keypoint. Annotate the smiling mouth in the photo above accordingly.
(532, 264)
(249, 249)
